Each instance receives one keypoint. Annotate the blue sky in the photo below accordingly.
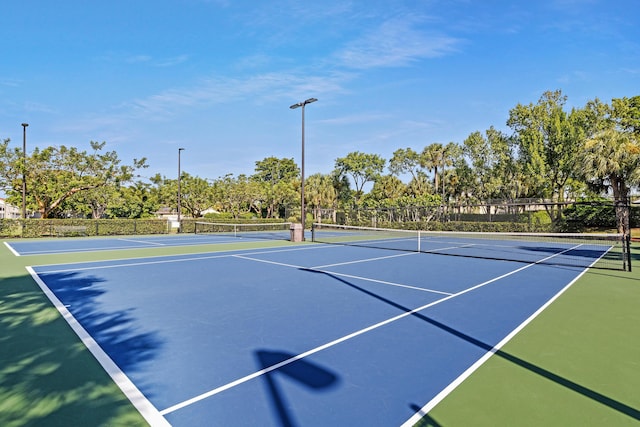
(217, 77)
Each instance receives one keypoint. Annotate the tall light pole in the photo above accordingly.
(179, 194)
(24, 170)
(302, 211)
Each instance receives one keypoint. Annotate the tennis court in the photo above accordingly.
(310, 334)
(279, 231)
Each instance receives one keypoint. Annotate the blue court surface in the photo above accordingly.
(66, 245)
(307, 335)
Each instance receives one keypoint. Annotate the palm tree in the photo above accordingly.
(431, 159)
(611, 160)
(320, 193)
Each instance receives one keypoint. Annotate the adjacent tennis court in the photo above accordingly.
(310, 334)
(223, 235)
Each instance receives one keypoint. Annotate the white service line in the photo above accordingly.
(433, 291)
(317, 270)
(335, 342)
(141, 241)
(363, 260)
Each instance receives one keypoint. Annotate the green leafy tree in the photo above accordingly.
(495, 168)
(279, 180)
(626, 114)
(405, 160)
(137, 200)
(237, 195)
(343, 188)
(196, 195)
(320, 193)
(55, 174)
(361, 167)
(548, 141)
(610, 157)
(388, 187)
(419, 185)
(432, 159)
(93, 202)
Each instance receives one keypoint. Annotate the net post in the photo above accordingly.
(313, 231)
(419, 239)
(627, 244)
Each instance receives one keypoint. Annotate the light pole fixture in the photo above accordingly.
(179, 194)
(24, 170)
(302, 211)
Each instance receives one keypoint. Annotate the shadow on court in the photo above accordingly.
(587, 392)
(115, 332)
(45, 373)
(300, 371)
(426, 420)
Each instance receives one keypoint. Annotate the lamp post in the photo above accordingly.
(302, 211)
(24, 170)
(179, 195)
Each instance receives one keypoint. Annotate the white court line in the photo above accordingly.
(267, 261)
(383, 282)
(314, 269)
(146, 408)
(335, 342)
(192, 257)
(11, 249)
(455, 383)
(363, 260)
(190, 241)
(141, 241)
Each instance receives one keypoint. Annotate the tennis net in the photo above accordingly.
(610, 251)
(272, 231)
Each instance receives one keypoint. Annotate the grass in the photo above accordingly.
(577, 364)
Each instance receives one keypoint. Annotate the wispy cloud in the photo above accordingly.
(10, 82)
(169, 62)
(355, 119)
(395, 43)
(257, 88)
(127, 58)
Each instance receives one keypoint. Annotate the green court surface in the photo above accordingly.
(577, 364)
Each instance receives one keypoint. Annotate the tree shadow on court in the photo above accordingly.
(116, 332)
(47, 376)
(426, 420)
(302, 372)
(565, 382)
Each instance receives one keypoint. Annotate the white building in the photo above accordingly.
(9, 211)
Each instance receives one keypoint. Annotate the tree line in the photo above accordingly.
(550, 153)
